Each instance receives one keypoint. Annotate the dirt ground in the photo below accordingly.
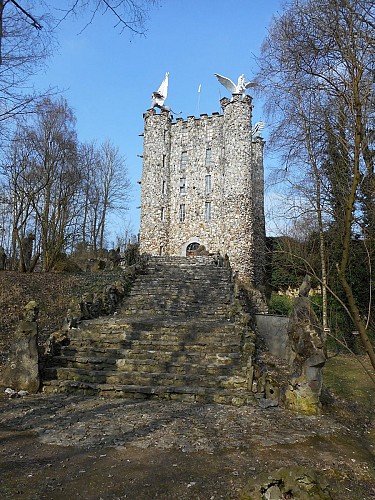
(83, 447)
(34, 470)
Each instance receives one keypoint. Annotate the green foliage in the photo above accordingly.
(287, 267)
(362, 257)
(280, 304)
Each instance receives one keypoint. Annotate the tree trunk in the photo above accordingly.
(342, 268)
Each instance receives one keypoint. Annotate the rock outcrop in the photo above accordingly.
(299, 482)
(307, 356)
(22, 370)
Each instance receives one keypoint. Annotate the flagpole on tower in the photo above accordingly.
(199, 98)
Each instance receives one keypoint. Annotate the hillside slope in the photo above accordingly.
(52, 291)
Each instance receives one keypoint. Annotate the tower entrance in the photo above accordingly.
(192, 249)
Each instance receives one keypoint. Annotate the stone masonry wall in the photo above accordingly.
(155, 207)
(237, 194)
(202, 182)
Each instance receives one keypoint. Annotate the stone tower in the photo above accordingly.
(202, 184)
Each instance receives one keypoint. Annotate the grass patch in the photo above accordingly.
(351, 387)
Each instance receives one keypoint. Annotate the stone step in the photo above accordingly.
(144, 321)
(180, 279)
(184, 327)
(185, 279)
(184, 338)
(181, 305)
(155, 361)
(202, 304)
(181, 285)
(182, 289)
(153, 345)
(204, 269)
(182, 262)
(219, 332)
(194, 272)
(102, 353)
(178, 311)
(200, 267)
(238, 381)
(236, 397)
(183, 335)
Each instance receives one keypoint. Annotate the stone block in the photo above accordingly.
(22, 370)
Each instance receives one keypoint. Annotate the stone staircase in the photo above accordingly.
(179, 335)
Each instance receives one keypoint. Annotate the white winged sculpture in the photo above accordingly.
(257, 129)
(160, 95)
(241, 86)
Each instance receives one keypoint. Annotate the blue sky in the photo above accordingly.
(108, 77)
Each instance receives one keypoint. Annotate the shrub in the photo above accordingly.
(280, 304)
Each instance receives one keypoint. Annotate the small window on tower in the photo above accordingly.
(182, 185)
(207, 181)
(207, 211)
(162, 214)
(208, 161)
(182, 212)
(184, 160)
(209, 132)
(184, 135)
(164, 188)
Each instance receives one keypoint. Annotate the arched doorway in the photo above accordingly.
(192, 248)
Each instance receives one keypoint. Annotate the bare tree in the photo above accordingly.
(24, 48)
(19, 191)
(88, 159)
(62, 194)
(319, 58)
(53, 137)
(36, 171)
(113, 186)
(44, 178)
(128, 15)
(105, 191)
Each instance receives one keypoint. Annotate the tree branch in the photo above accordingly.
(34, 22)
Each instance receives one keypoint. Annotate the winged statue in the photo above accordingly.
(257, 129)
(160, 95)
(241, 86)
